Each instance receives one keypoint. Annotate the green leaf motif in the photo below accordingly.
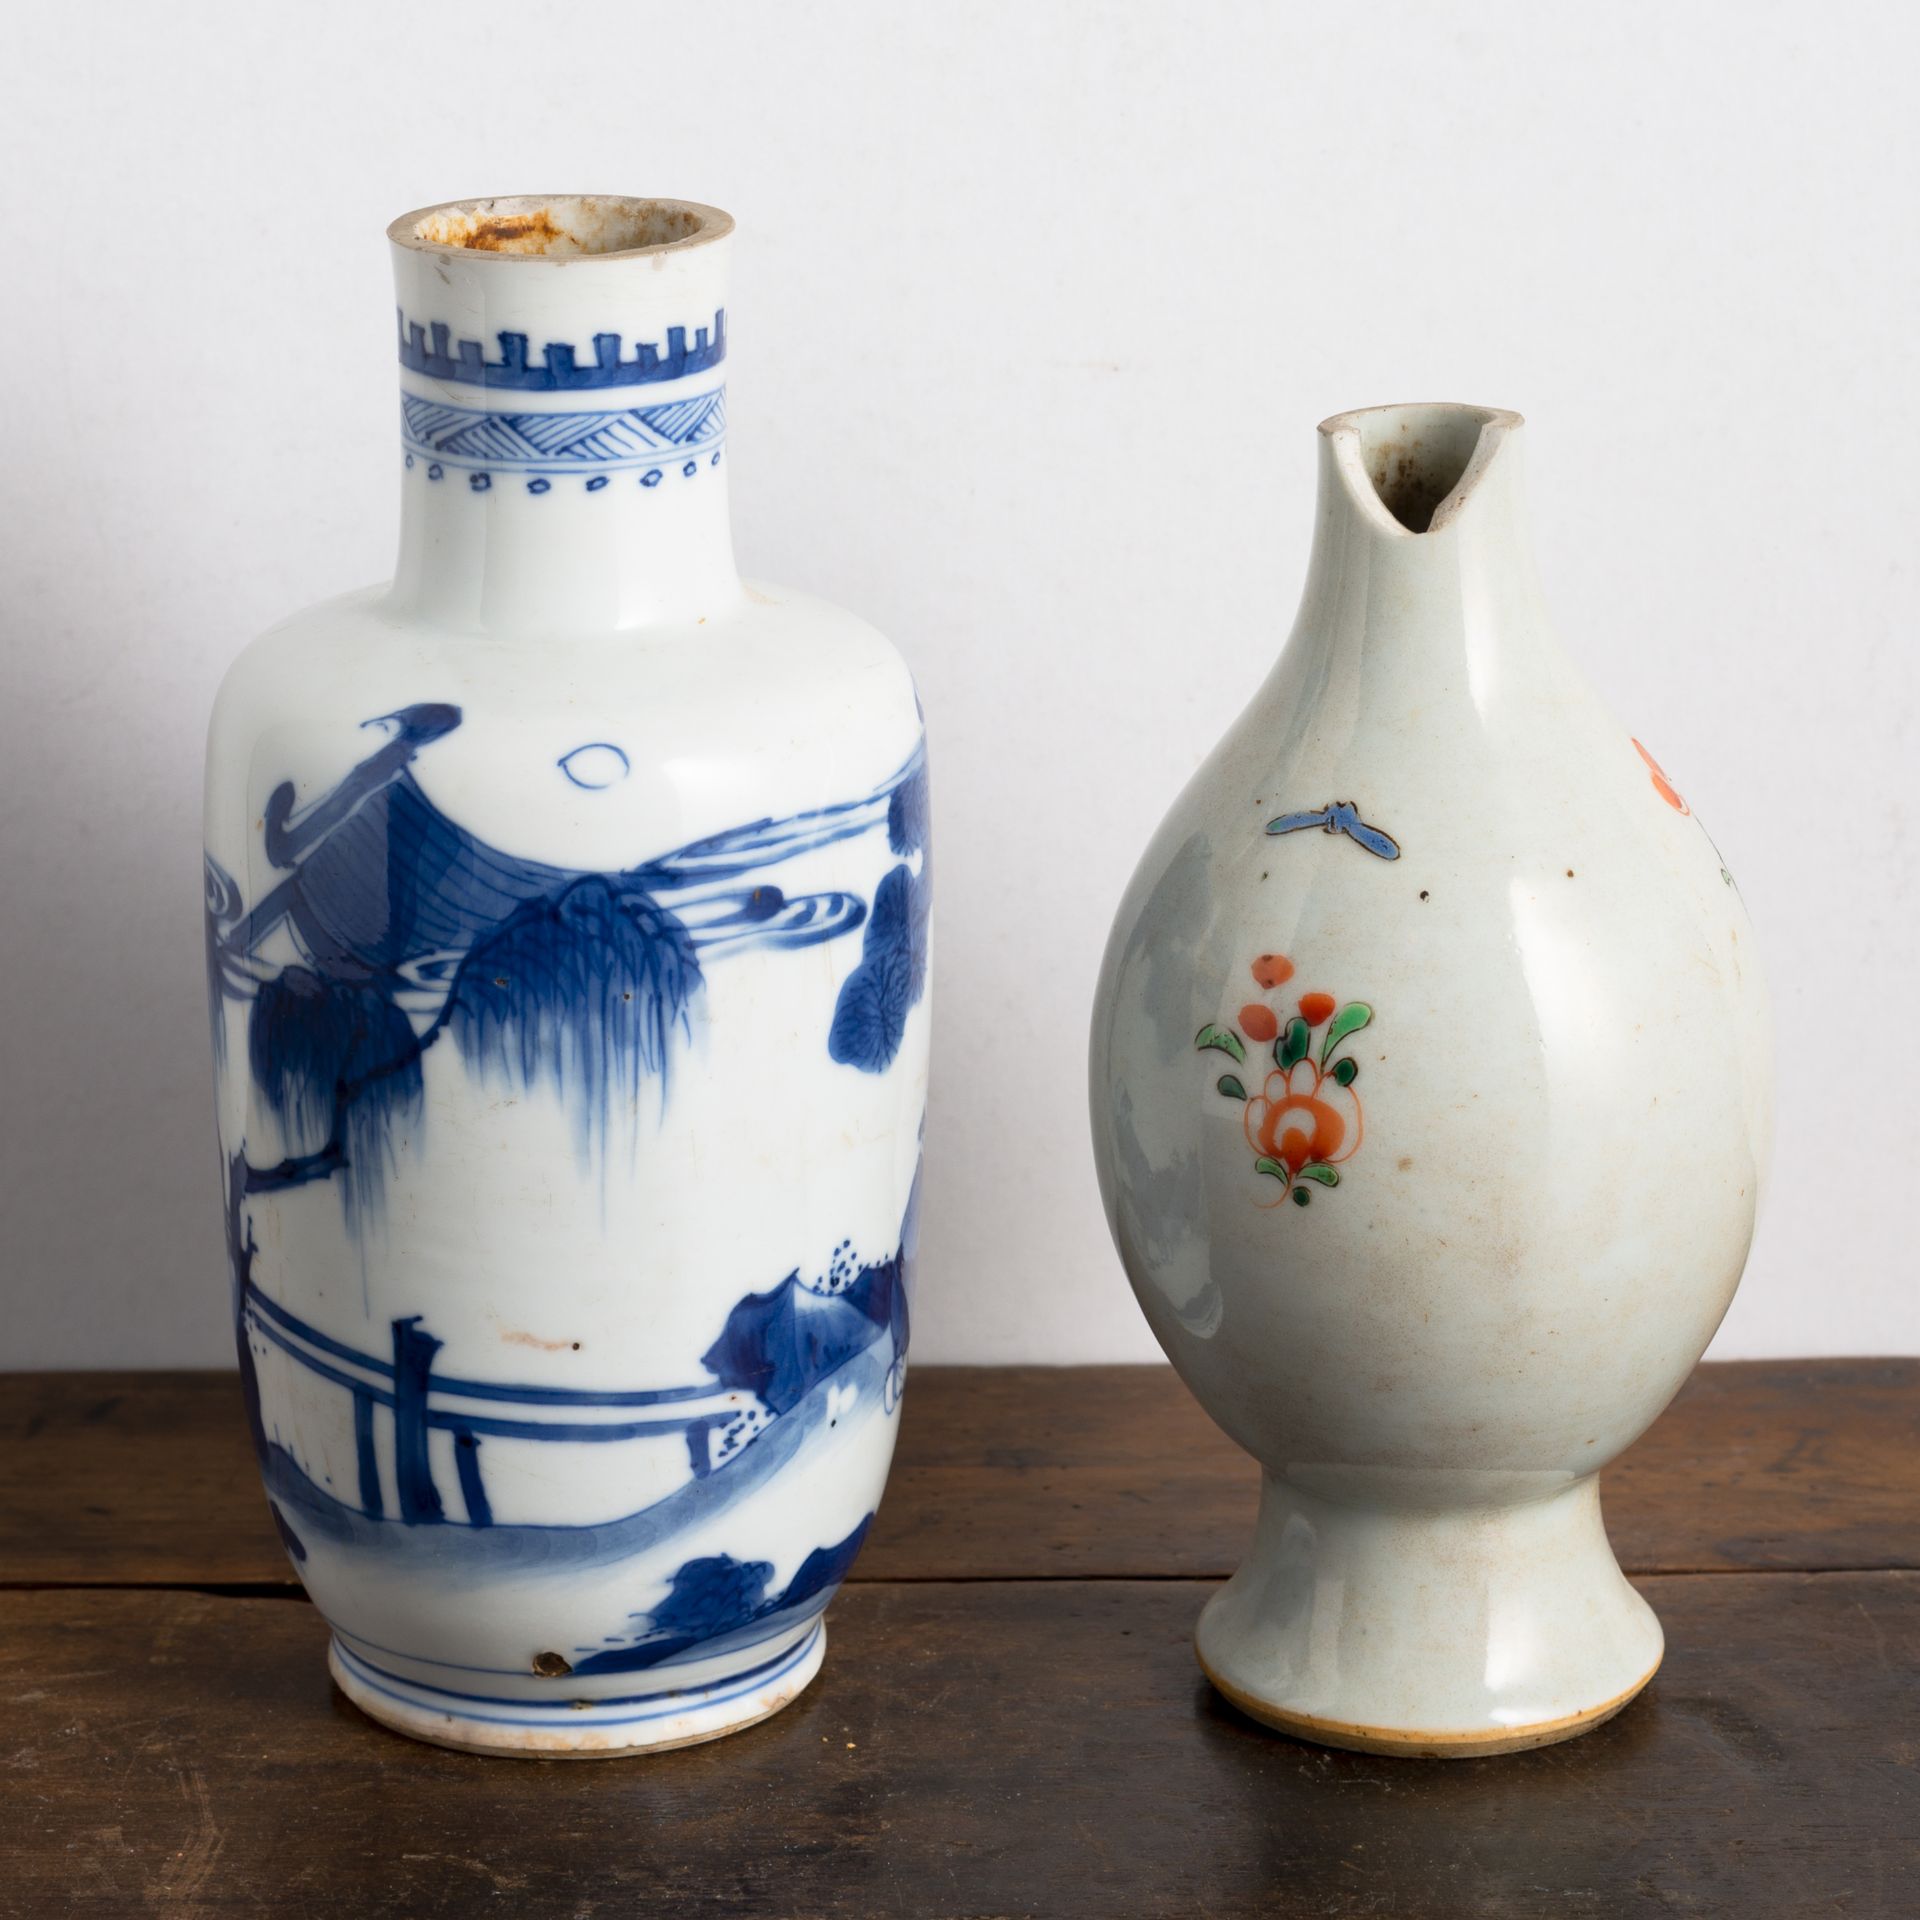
(1324, 1174)
(1346, 1071)
(1291, 1048)
(1301, 1195)
(1264, 1165)
(1350, 1019)
(1222, 1038)
(1231, 1087)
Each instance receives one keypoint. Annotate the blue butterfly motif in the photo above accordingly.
(1340, 816)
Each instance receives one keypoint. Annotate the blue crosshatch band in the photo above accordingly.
(601, 441)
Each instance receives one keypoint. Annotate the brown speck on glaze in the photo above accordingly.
(560, 226)
(517, 233)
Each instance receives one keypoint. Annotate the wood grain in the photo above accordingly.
(1012, 1473)
(1041, 1747)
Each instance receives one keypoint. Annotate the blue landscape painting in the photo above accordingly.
(770, 1374)
(411, 933)
(585, 981)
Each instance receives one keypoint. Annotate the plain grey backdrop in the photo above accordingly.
(1035, 309)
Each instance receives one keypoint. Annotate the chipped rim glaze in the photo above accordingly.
(1361, 437)
(565, 213)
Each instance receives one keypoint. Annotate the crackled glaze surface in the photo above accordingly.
(1432, 951)
(567, 929)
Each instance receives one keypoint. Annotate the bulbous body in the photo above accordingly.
(1430, 1094)
(567, 929)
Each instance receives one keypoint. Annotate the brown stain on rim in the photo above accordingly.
(512, 233)
(561, 228)
(1413, 1744)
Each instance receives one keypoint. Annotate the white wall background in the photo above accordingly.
(1036, 307)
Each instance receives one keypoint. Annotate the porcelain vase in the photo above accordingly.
(567, 934)
(1430, 1097)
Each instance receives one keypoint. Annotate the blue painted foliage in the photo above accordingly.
(717, 1596)
(907, 811)
(587, 990)
(583, 981)
(870, 1018)
(338, 1065)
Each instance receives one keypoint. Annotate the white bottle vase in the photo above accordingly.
(1430, 1094)
(567, 931)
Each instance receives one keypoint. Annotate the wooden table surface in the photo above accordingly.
(1010, 1720)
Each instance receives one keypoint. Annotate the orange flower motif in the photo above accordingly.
(1304, 1116)
(1305, 1120)
(1258, 1022)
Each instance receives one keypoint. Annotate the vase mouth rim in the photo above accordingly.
(1358, 418)
(1413, 467)
(560, 228)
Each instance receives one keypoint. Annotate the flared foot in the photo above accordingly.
(635, 1719)
(1441, 1634)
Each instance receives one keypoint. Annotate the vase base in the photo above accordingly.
(1439, 1631)
(605, 1729)
(1408, 1744)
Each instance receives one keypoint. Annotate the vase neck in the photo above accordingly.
(563, 414)
(1422, 588)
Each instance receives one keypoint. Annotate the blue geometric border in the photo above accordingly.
(433, 351)
(653, 441)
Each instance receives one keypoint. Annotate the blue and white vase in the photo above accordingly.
(567, 938)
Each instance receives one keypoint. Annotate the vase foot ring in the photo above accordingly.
(614, 1730)
(1408, 1743)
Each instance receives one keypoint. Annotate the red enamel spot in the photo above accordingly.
(1661, 784)
(1316, 1009)
(1272, 970)
(1258, 1022)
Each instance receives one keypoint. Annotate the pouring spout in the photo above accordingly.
(1414, 468)
(1421, 583)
